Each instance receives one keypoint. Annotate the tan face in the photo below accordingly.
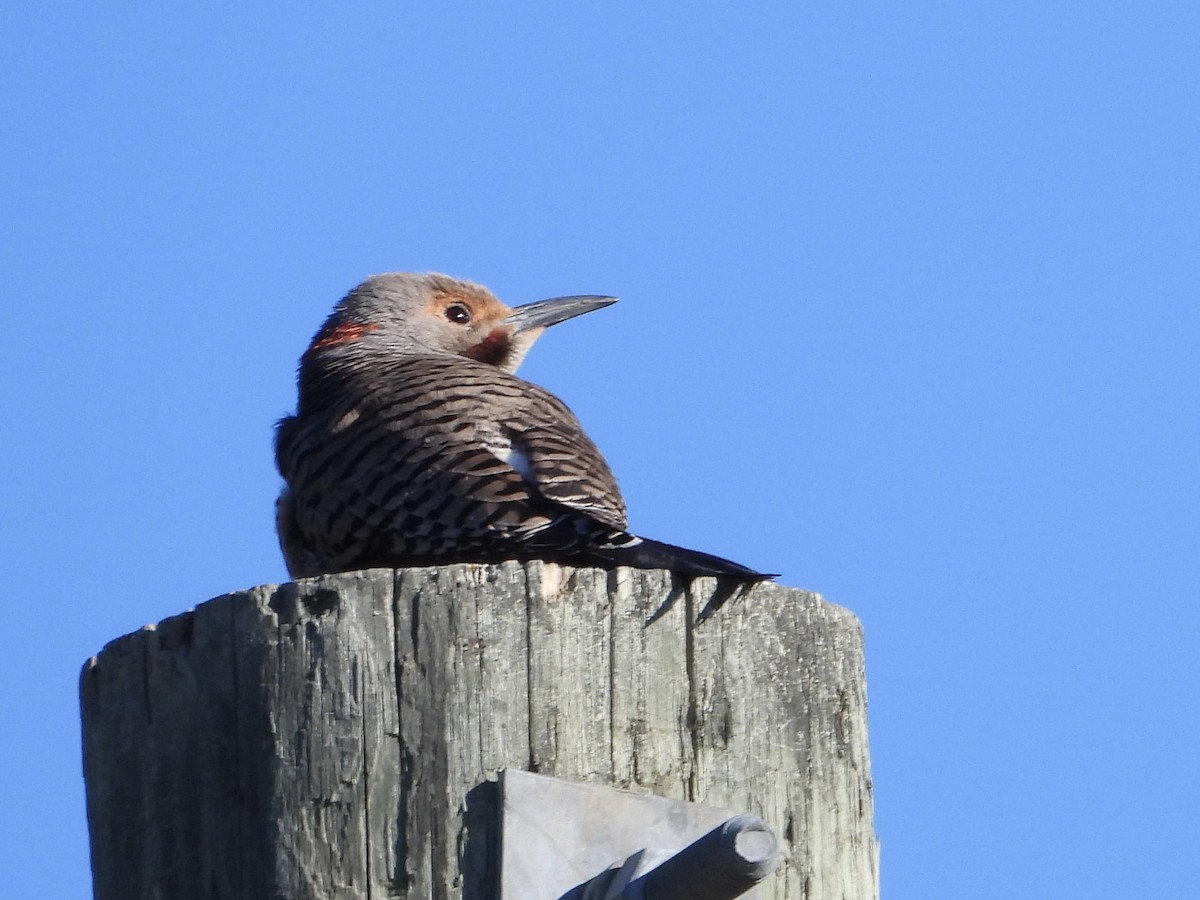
(470, 321)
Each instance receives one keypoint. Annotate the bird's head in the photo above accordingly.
(401, 314)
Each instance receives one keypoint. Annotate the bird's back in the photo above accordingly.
(430, 459)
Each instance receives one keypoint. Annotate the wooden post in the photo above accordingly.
(336, 737)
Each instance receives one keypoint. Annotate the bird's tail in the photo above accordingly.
(644, 553)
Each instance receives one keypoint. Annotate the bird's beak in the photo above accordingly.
(544, 313)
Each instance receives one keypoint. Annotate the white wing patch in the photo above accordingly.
(519, 461)
(503, 448)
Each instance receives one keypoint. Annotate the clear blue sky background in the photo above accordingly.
(910, 313)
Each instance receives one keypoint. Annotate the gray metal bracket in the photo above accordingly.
(561, 840)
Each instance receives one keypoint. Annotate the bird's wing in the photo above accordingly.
(542, 440)
(480, 432)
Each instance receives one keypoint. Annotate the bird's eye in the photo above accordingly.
(458, 313)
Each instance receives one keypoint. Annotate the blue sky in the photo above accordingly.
(910, 313)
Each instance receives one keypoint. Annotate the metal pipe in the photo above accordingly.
(721, 865)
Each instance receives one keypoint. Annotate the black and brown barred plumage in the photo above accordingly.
(414, 444)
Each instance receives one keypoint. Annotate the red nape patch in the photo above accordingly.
(340, 333)
(493, 349)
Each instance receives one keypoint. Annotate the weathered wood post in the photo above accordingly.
(339, 737)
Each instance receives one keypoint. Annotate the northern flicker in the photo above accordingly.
(415, 444)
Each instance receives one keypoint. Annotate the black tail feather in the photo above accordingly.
(648, 554)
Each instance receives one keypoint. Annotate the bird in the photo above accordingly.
(414, 443)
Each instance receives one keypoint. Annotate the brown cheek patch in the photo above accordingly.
(341, 333)
(493, 349)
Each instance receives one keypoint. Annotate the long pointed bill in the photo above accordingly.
(544, 313)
